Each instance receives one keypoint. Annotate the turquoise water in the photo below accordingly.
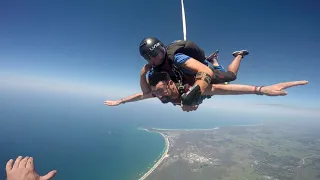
(82, 138)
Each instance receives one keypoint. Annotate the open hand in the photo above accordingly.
(23, 169)
(112, 103)
(278, 89)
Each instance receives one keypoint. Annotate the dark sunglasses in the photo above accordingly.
(151, 54)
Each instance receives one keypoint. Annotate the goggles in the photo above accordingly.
(153, 53)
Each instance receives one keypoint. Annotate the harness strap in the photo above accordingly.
(182, 88)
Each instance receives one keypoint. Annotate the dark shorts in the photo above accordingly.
(222, 77)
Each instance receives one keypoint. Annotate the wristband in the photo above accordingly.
(261, 93)
(257, 90)
(203, 76)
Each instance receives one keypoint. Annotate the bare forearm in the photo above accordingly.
(204, 73)
(230, 89)
(203, 85)
(136, 97)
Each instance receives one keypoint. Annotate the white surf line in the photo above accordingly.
(164, 155)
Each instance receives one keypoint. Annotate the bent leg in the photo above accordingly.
(222, 77)
(212, 60)
(235, 64)
(220, 74)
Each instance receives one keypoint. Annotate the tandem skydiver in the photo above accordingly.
(161, 58)
(212, 62)
(184, 60)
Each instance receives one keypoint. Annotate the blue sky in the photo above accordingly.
(91, 47)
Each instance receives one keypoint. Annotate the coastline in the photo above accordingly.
(208, 129)
(164, 155)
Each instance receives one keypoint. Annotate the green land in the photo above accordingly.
(282, 150)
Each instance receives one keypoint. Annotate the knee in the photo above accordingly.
(233, 76)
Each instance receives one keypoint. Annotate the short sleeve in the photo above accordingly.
(180, 59)
(149, 73)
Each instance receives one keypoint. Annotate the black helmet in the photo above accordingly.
(150, 47)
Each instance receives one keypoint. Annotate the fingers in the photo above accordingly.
(185, 108)
(48, 176)
(9, 165)
(189, 108)
(277, 93)
(30, 164)
(23, 162)
(111, 103)
(147, 67)
(17, 162)
(20, 163)
(195, 108)
(292, 84)
(283, 93)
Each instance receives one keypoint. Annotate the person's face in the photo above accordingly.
(163, 89)
(156, 61)
(156, 57)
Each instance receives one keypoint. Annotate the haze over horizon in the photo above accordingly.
(91, 48)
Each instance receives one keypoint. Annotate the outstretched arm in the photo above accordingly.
(238, 89)
(132, 98)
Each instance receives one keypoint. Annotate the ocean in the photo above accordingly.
(83, 139)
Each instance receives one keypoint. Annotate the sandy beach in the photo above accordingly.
(164, 155)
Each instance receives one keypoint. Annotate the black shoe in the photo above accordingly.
(213, 56)
(243, 53)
